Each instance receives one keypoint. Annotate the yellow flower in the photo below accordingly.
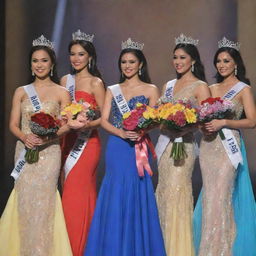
(126, 115)
(73, 108)
(150, 113)
(139, 104)
(190, 115)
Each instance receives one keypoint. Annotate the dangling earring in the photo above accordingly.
(122, 74)
(89, 64)
(192, 68)
(235, 70)
(51, 74)
(140, 72)
(33, 74)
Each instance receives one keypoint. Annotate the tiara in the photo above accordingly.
(79, 35)
(182, 39)
(42, 41)
(224, 42)
(129, 44)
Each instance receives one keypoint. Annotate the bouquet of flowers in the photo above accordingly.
(41, 124)
(81, 111)
(140, 118)
(215, 108)
(177, 116)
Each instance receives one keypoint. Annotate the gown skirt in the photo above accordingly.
(126, 221)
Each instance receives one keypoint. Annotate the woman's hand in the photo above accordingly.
(131, 135)
(215, 125)
(31, 140)
(79, 123)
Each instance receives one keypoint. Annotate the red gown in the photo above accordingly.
(79, 192)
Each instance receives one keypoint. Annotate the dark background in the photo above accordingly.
(155, 23)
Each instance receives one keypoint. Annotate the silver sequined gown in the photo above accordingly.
(174, 191)
(34, 204)
(218, 226)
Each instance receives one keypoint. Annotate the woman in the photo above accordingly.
(126, 221)
(79, 192)
(174, 190)
(228, 224)
(33, 222)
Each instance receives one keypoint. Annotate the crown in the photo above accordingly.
(182, 39)
(129, 44)
(42, 41)
(79, 35)
(224, 42)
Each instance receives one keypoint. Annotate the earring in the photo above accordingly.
(122, 74)
(140, 72)
(89, 64)
(192, 67)
(51, 74)
(235, 70)
(33, 74)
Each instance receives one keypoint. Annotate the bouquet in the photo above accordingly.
(177, 116)
(142, 117)
(215, 108)
(41, 124)
(80, 111)
(139, 119)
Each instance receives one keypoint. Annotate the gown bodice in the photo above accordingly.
(50, 107)
(116, 114)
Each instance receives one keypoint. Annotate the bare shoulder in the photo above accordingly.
(63, 80)
(96, 82)
(214, 88)
(59, 89)
(150, 87)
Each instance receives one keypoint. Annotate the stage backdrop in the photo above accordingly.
(154, 23)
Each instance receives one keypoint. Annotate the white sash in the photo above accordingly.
(230, 143)
(71, 86)
(35, 101)
(76, 151)
(119, 98)
(164, 140)
(82, 138)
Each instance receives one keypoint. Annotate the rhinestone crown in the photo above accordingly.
(79, 35)
(224, 42)
(182, 39)
(43, 41)
(129, 44)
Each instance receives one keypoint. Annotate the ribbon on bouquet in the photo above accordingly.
(141, 152)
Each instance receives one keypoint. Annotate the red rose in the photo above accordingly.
(131, 122)
(179, 118)
(44, 120)
(212, 100)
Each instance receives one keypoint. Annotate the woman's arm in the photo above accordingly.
(30, 140)
(248, 122)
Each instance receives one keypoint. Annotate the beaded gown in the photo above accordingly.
(225, 214)
(33, 223)
(126, 221)
(79, 192)
(174, 190)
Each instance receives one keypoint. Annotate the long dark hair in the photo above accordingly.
(193, 52)
(52, 55)
(90, 49)
(236, 56)
(144, 69)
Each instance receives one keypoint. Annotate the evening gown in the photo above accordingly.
(225, 214)
(174, 190)
(79, 192)
(126, 220)
(33, 223)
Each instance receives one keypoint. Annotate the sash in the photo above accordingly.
(82, 138)
(35, 102)
(141, 147)
(164, 140)
(76, 151)
(71, 86)
(230, 143)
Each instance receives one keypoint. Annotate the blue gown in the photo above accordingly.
(125, 221)
(244, 213)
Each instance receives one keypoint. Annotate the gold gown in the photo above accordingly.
(218, 225)
(174, 191)
(33, 223)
